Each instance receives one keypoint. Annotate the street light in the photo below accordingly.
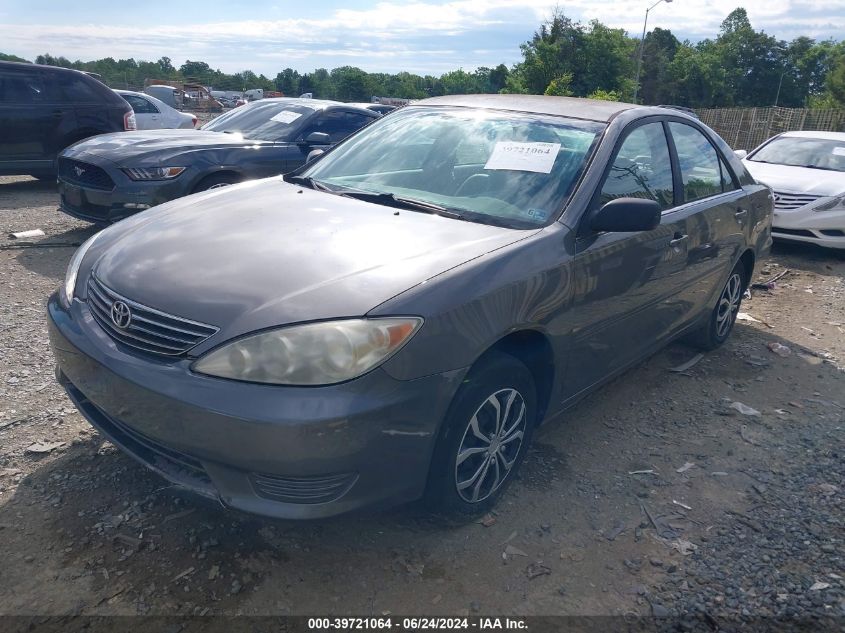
(642, 46)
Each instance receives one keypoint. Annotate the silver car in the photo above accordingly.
(393, 320)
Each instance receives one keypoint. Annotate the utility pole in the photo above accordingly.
(642, 46)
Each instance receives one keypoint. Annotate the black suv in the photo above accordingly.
(43, 109)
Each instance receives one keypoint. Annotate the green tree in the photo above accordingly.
(4, 57)
(560, 86)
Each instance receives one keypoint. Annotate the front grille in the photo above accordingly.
(798, 232)
(147, 329)
(321, 489)
(791, 201)
(84, 174)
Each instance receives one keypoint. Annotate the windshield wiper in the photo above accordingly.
(307, 181)
(392, 200)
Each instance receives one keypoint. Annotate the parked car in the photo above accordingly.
(113, 176)
(43, 109)
(173, 97)
(381, 108)
(805, 169)
(153, 114)
(393, 320)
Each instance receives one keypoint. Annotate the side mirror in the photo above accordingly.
(741, 153)
(314, 153)
(626, 214)
(317, 138)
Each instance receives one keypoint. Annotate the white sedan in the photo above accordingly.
(806, 170)
(154, 114)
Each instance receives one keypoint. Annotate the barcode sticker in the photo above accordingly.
(536, 157)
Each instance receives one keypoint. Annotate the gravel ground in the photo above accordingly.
(655, 495)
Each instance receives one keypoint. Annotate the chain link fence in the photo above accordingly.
(746, 128)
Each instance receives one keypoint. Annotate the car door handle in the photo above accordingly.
(678, 239)
(740, 214)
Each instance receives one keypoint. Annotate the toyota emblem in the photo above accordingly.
(120, 315)
(79, 171)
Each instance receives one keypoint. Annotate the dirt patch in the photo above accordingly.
(653, 495)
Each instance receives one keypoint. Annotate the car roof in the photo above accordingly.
(21, 65)
(831, 136)
(316, 104)
(574, 107)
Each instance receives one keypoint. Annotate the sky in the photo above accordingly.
(425, 37)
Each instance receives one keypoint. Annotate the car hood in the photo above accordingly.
(267, 253)
(157, 144)
(786, 178)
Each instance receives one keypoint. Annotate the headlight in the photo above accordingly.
(836, 203)
(73, 267)
(152, 173)
(312, 354)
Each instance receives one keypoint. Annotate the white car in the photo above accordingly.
(154, 114)
(806, 171)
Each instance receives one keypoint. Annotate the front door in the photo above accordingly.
(626, 283)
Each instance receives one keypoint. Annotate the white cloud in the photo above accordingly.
(394, 35)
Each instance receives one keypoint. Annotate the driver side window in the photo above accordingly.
(642, 168)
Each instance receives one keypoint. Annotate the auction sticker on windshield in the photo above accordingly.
(839, 151)
(286, 116)
(536, 157)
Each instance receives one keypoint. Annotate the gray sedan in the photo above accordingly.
(393, 321)
(109, 177)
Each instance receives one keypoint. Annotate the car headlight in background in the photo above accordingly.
(152, 173)
(73, 268)
(836, 203)
(311, 354)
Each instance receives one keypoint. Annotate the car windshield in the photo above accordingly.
(495, 167)
(262, 120)
(815, 153)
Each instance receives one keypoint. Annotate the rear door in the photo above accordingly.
(91, 103)
(716, 210)
(32, 120)
(147, 115)
(626, 283)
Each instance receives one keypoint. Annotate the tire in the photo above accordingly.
(723, 316)
(497, 379)
(215, 181)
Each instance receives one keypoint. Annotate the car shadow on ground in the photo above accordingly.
(809, 254)
(50, 256)
(33, 185)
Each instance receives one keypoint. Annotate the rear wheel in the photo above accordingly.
(722, 318)
(216, 181)
(484, 439)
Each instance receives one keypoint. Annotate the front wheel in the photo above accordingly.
(215, 181)
(484, 438)
(722, 318)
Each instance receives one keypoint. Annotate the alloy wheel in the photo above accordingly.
(490, 445)
(728, 305)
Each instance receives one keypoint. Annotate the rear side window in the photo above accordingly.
(21, 87)
(75, 89)
(701, 168)
(642, 168)
(140, 105)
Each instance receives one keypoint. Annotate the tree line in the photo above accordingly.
(739, 67)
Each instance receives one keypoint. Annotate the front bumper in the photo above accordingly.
(285, 452)
(127, 197)
(825, 228)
